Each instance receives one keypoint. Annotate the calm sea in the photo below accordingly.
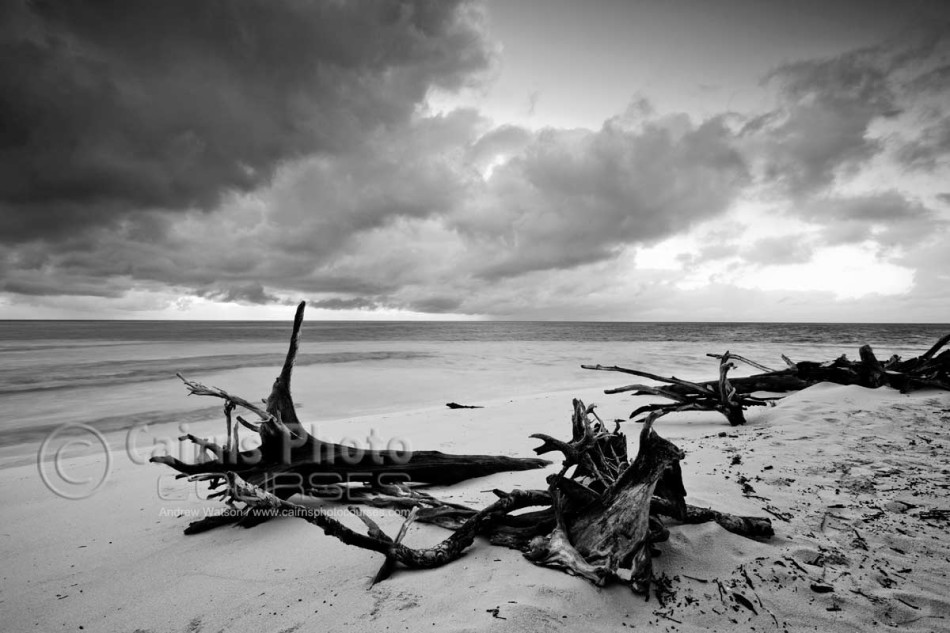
(113, 374)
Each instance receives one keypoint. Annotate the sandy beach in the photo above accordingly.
(489, 203)
(854, 480)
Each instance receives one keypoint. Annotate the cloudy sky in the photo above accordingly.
(631, 160)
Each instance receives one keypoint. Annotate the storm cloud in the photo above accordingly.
(258, 152)
(111, 108)
(574, 197)
(822, 128)
(831, 110)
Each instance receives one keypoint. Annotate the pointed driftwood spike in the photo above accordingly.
(288, 367)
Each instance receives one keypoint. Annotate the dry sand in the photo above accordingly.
(856, 482)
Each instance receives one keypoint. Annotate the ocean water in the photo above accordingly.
(116, 374)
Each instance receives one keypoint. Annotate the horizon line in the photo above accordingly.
(323, 320)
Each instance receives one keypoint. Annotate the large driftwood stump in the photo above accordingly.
(603, 529)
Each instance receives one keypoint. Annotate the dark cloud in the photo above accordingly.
(36, 285)
(118, 106)
(890, 207)
(822, 128)
(435, 305)
(777, 251)
(889, 218)
(933, 81)
(927, 83)
(322, 228)
(576, 197)
(248, 293)
(337, 303)
(930, 149)
(415, 171)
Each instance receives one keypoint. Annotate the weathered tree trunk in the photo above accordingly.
(291, 461)
(731, 396)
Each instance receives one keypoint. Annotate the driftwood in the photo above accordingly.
(604, 525)
(600, 522)
(929, 370)
(599, 518)
(291, 461)
(720, 395)
(731, 396)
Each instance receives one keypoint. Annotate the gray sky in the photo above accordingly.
(617, 160)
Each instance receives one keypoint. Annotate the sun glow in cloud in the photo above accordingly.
(848, 272)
